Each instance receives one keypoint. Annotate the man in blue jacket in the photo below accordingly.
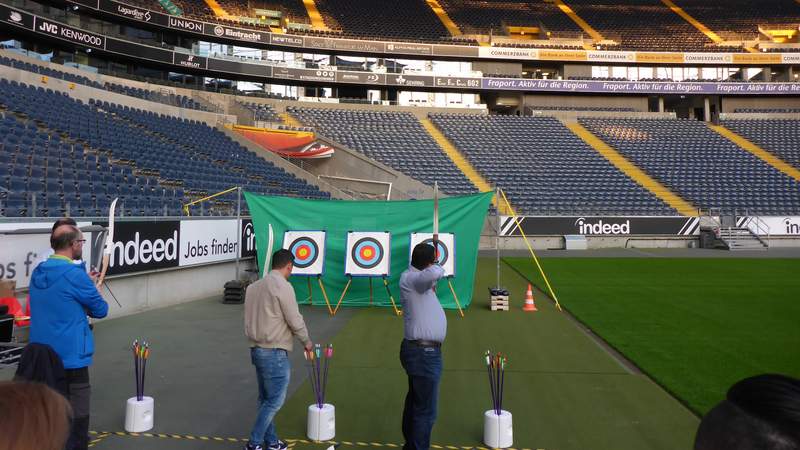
(61, 296)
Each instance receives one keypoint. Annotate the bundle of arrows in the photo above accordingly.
(496, 367)
(318, 371)
(141, 351)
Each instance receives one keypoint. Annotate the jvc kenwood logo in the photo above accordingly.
(138, 251)
(183, 24)
(48, 27)
(600, 227)
(71, 34)
(791, 227)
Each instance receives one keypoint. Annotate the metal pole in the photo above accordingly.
(497, 237)
(239, 228)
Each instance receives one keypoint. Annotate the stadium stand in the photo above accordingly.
(544, 168)
(262, 111)
(396, 139)
(743, 16)
(180, 101)
(399, 19)
(99, 151)
(641, 25)
(700, 165)
(779, 136)
(493, 15)
(293, 10)
(46, 71)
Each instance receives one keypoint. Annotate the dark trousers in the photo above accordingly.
(78, 394)
(424, 368)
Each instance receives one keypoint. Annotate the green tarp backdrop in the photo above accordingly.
(463, 216)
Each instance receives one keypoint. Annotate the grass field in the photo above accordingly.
(696, 326)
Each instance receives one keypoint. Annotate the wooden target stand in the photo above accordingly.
(324, 293)
(397, 311)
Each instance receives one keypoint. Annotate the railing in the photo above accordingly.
(761, 227)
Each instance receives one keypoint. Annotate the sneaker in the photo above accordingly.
(250, 446)
(280, 445)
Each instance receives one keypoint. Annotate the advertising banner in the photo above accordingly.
(640, 87)
(409, 80)
(133, 12)
(189, 61)
(142, 246)
(600, 226)
(772, 225)
(68, 33)
(237, 34)
(16, 17)
(20, 253)
(207, 241)
(290, 73)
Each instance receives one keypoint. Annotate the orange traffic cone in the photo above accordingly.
(529, 305)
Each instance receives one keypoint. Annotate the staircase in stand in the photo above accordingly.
(737, 238)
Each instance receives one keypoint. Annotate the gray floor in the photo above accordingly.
(193, 347)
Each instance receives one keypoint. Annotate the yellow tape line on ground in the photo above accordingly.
(291, 442)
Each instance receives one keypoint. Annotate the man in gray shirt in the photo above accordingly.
(425, 327)
(271, 321)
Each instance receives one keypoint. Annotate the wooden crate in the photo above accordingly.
(499, 303)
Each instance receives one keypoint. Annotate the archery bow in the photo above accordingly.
(436, 219)
(107, 248)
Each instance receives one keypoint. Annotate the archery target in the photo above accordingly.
(367, 254)
(308, 248)
(446, 253)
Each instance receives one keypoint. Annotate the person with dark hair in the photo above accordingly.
(759, 413)
(61, 296)
(34, 417)
(425, 327)
(271, 318)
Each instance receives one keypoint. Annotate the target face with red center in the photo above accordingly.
(367, 254)
(308, 248)
(445, 253)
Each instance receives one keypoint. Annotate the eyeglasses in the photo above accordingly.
(79, 240)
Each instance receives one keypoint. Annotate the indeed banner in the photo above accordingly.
(600, 226)
(771, 225)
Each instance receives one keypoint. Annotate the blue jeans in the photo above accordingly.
(424, 369)
(272, 370)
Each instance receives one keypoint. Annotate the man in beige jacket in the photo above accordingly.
(271, 319)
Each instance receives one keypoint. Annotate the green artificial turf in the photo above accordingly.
(694, 325)
(564, 391)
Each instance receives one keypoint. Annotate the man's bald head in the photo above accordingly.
(64, 221)
(67, 240)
